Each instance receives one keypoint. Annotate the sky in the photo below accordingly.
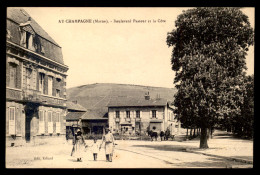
(125, 53)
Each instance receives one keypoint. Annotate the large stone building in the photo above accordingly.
(136, 115)
(35, 81)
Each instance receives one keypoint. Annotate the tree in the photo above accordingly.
(243, 124)
(208, 58)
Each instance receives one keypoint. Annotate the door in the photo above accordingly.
(28, 120)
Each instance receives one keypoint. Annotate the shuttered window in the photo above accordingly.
(12, 120)
(50, 85)
(153, 113)
(13, 75)
(117, 114)
(127, 114)
(41, 82)
(50, 124)
(58, 122)
(137, 113)
(41, 122)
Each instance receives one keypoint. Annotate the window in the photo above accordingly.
(153, 113)
(12, 120)
(28, 78)
(13, 75)
(57, 93)
(50, 84)
(117, 114)
(58, 123)
(137, 114)
(127, 114)
(117, 126)
(50, 124)
(41, 122)
(41, 82)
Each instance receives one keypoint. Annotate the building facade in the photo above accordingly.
(94, 121)
(74, 114)
(35, 81)
(132, 116)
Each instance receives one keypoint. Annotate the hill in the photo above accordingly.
(97, 96)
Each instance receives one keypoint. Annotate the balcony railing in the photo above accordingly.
(31, 95)
(12, 93)
(128, 119)
(117, 119)
(35, 96)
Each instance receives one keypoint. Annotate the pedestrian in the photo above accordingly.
(78, 145)
(108, 139)
(95, 148)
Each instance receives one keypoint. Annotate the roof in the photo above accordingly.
(19, 16)
(74, 106)
(141, 102)
(74, 115)
(95, 114)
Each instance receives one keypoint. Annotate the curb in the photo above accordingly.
(224, 157)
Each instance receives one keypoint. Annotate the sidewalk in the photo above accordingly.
(224, 145)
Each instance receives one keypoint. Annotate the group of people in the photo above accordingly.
(79, 145)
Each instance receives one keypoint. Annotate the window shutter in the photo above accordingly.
(134, 114)
(150, 115)
(50, 123)
(141, 113)
(41, 122)
(23, 38)
(58, 121)
(156, 114)
(12, 120)
(30, 43)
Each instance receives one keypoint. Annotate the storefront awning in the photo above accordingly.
(156, 121)
(126, 123)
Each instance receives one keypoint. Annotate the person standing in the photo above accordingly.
(79, 145)
(108, 139)
(95, 149)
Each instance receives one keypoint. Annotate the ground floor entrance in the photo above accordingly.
(94, 126)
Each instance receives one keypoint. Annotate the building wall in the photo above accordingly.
(20, 96)
(163, 113)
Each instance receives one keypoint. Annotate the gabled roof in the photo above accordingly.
(19, 16)
(74, 115)
(74, 106)
(95, 114)
(136, 102)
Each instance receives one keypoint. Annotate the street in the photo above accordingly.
(128, 154)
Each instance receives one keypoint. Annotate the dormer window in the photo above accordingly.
(27, 40)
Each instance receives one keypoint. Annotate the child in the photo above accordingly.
(95, 149)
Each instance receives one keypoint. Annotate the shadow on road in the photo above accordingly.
(167, 147)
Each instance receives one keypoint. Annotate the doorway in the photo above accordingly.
(28, 121)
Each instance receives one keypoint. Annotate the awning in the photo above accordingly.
(156, 121)
(126, 123)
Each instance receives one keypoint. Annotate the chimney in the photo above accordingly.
(147, 96)
(29, 19)
(75, 101)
